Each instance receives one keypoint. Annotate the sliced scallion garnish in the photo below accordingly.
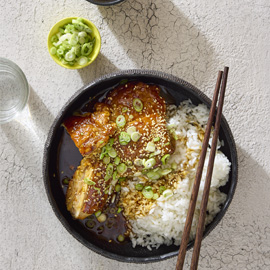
(135, 136)
(148, 192)
(124, 138)
(117, 160)
(130, 130)
(165, 158)
(89, 181)
(153, 175)
(117, 188)
(106, 160)
(112, 153)
(109, 169)
(139, 187)
(120, 121)
(150, 147)
(137, 104)
(138, 162)
(121, 168)
(167, 193)
(161, 189)
(149, 163)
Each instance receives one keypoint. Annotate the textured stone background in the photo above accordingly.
(190, 39)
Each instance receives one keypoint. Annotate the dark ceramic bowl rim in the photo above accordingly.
(153, 74)
(108, 3)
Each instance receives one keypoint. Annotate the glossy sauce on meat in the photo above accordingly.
(92, 130)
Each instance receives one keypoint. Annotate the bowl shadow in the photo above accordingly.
(158, 35)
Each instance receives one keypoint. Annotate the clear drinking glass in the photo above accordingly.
(14, 90)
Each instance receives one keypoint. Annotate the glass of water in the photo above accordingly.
(14, 90)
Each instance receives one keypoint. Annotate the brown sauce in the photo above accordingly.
(69, 158)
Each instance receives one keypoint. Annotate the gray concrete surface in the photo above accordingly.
(190, 39)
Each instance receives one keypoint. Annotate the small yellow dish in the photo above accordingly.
(95, 34)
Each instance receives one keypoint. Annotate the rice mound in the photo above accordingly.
(164, 223)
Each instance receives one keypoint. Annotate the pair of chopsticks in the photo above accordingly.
(222, 76)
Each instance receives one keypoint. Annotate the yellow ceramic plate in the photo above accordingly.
(95, 34)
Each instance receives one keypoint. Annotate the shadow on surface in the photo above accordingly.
(157, 35)
(28, 131)
(101, 66)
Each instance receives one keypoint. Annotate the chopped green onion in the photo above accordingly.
(102, 218)
(115, 176)
(86, 49)
(138, 162)
(155, 196)
(97, 189)
(82, 34)
(103, 152)
(162, 189)
(167, 193)
(130, 117)
(106, 160)
(111, 141)
(60, 52)
(53, 50)
(137, 104)
(148, 188)
(174, 166)
(98, 213)
(89, 181)
(150, 147)
(124, 138)
(165, 158)
(165, 171)
(82, 60)
(149, 163)
(148, 192)
(65, 181)
(100, 229)
(54, 39)
(117, 188)
(156, 139)
(109, 170)
(117, 160)
(155, 153)
(153, 175)
(119, 210)
(74, 40)
(120, 238)
(124, 109)
(121, 179)
(121, 168)
(90, 224)
(112, 153)
(139, 187)
(120, 121)
(131, 130)
(129, 163)
(135, 136)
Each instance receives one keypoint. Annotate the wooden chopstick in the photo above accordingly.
(203, 207)
(196, 185)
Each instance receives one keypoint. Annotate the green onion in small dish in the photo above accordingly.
(74, 42)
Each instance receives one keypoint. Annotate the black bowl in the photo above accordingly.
(57, 157)
(105, 2)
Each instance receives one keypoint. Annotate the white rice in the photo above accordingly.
(166, 220)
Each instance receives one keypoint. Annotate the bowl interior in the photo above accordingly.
(174, 90)
(96, 47)
(105, 2)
